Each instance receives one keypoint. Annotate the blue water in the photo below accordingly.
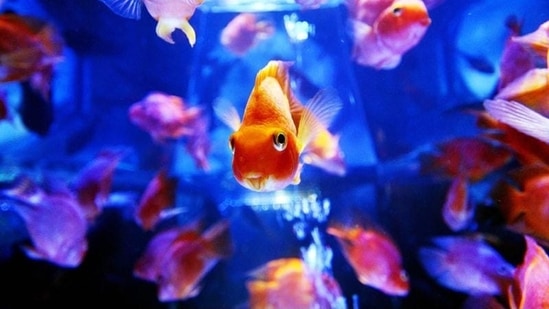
(389, 116)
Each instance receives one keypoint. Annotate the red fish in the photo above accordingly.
(243, 32)
(524, 200)
(164, 116)
(291, 283)
(467, 264)
(267, 144)
(374, 257)
(29, 49)
(396, 29)
(54, 220)
(170, 15)
(92, 185)
(159, 194)
(177, 259)
(519, 117)
(531, 279)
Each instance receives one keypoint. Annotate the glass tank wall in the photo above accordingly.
(273, 154)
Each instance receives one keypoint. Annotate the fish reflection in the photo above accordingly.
(267, 144)
(177, 259)
(291, 283)
(170, 15)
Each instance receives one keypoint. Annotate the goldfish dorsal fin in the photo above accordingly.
(278, 70)
(317, 115)
(227, 113)
(125, 8)
(519, 117)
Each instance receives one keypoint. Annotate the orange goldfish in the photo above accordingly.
(92, 184)
(520, 117)
(374, 257)
(524, 200)
(159, 194)
(29, 49)
(397, 29)
(531, 279)
(178, 258)
(243, 32)
(467, 264)
(170, 15)
(530, 89)
(54, 220)
(267, 144)
(291, 283)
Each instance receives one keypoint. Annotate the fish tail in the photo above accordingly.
(166, 26)
(218, 239)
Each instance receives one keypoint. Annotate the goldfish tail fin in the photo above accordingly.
(125, 8)
(218, 240)
(519, 117)
(166, 26)
(226, 112)
(317, 115)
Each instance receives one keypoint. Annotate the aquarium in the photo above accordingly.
(274, 154)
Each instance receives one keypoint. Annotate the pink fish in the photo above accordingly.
(396, 30)
(531, 279)
(467, 264)
(159, 194)
(374, 257)
(243, 32)
(164, 116)
(92, 184)
(291, 283)
(170, 15)
(177, 259)
(516, 60)
(54, 220)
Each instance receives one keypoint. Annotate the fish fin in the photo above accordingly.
(434, 261)
(457, 210)
(166, 26)
(125, 8)
(218, 239)
(317, 115)
(227, 113)
(519, 117)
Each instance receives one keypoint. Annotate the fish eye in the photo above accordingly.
(397, 11)
(279, 141)
(231, 143)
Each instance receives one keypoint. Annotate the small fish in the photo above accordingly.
(458, 211)
(92, 184)
(164, 116)
(519, 117)
(470, 157)
(530, 89)
(396, 30)
(177, 259)
(523, 200)
(374, 257)
(515, 60)
(291, 283)
(54, 220)
(538, 40)
(467, 264)
(244, 32)
(170, 15)
(531, 279)
(29, 49)
(159, 194)
(267, 144)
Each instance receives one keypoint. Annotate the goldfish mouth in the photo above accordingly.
(260, 183)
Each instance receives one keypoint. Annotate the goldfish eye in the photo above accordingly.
(397, 11)
(279, 141)
(231, 143)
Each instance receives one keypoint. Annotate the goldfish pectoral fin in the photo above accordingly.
(125, 8)
(166, 26)
(226, 112)
(317, 115)
(519, 117)
(297, 176)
